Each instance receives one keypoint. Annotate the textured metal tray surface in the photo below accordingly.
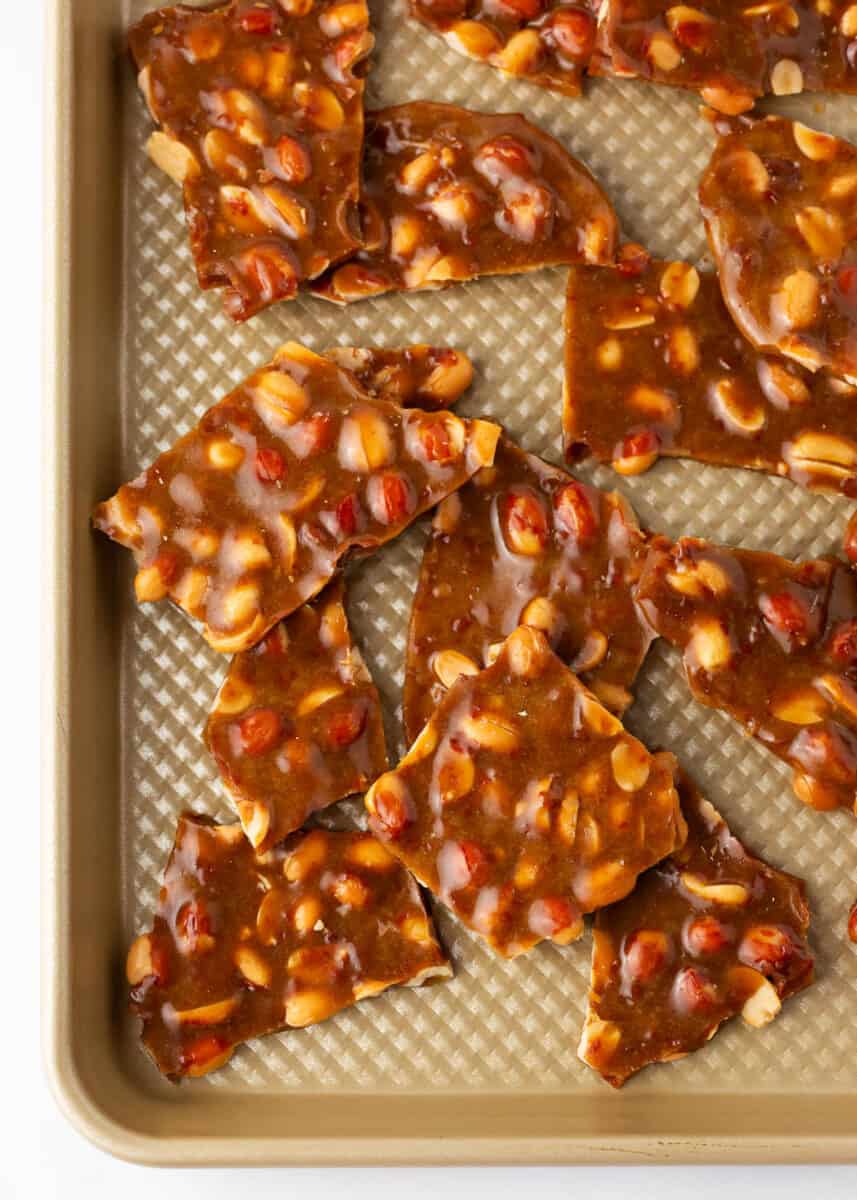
(498, 1025)
(497, 1028)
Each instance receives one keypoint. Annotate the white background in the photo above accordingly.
(41, 1156)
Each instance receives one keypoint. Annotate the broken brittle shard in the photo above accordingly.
(711, 932)
(450, 194)
(249, 515)
(245, 943)
(296, 724)
(260, 109)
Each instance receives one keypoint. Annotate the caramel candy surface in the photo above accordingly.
(260, 109)
(250, 513)
(711, 932)
(525, 543)
(655, 366)
(774, 644)
(544, 41)
(450, 194)
(244, 944)
(778, 199)
(296, 724)
(524, 803)
(731, 53)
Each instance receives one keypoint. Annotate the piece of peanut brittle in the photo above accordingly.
(525, 543)
(548, 42)
(260, 108)
(297, 724)
(249, 515)
(524, 803)
(244, 943)
(778, 199)
(450, 194)
(774, 644)
(711, 932)
(654, 365)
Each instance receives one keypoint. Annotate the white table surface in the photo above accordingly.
(41, 1157)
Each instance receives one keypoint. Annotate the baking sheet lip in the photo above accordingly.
(87, 1110)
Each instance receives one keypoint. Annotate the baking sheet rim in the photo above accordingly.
(89, 1113)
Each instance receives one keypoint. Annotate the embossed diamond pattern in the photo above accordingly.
(497, 1025)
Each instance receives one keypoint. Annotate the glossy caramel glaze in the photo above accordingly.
(655, 365)
(774, 644)
(731, 53)
(250, 513)
(244, 944)
(541, 549)
(779, 202)
(524, 803)
(261, 111)
(450, 194)
(544, 41)
(711, 932)
(297, 724)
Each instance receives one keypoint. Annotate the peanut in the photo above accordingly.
(208, 1014)
(733, 894)
(306, 857)
(521, 53)
(172, 156)
(488, 731)
(820, 147)
(786, 78)
(253, 967)
(822, 231)
(306, 1008)
(320, 105)
(709, 646)
(630, 763)
(679, 284)
(474, 39)
(448, 665)
(797, 299)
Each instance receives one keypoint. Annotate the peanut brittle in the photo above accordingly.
(419, 376)
(545, 41)
(250, 513)
(450, 194)
(654, 365)
(524, 803)
(731, 53)
(711, 932)
(524, 543)
(245, 944)
(774, 644)
(296, 724)
(779, 201)
(705, 49)
(260, 108)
